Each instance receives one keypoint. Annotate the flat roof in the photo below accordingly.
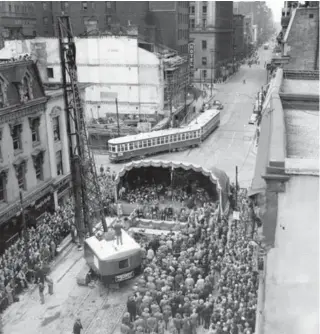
(292, 272)
(153, 134)
(302, 133)
(205, 117)
(109, 251)
(298, 86)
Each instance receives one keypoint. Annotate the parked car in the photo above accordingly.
(253, 118)
(217, 104)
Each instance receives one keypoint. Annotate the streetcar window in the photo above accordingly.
(187, 135)
(183, 136)
(195, 134)
(131, 146)
(166, 139)
(135, 145)
(144, 143)
(120, 148)
(174, 138)
(178, 137)
(149, 143)
(113, 148)
(158, 141)
(191, 135)
(140, 144)
(124, 264)
(162, 140)
(153, 142)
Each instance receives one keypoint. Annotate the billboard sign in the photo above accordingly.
(191, 55)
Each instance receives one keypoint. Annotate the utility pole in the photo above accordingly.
(117, 117)
(236, 194)
(25, 231)
(211, 51)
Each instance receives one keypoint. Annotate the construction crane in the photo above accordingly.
(88, 206)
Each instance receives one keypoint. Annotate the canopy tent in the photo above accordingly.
(218, 178)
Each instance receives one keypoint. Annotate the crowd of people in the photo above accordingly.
(204, 276)
(155, 194)
(16, 271)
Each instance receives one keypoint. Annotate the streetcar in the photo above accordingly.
(208, 121)
(126, 148)
(143, 144)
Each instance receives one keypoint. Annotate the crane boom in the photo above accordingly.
(88, 206)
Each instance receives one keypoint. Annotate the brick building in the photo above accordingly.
(158, 22)
(17, 20)
(211, 32)
(82, 14)
(299, 38)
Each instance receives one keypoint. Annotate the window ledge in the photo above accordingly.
(18, 151)
(35, 143)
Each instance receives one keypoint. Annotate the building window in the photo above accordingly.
(10, 8)
(204, 23)
(45, 6)
(16, 137)
(64, 5)
(59, 162)
(56, 128)
(192, 23)
(204, 45)
(38, 163)
(35, 123)
(45, 20)
(25, 89)
(204, 10)
(3, 188)
(21, 169)
(50, 72)
(310, 16)
(204, 61)
(204, 74)
(108, 4)
(84, 5)
(2, 104)
(192, 9)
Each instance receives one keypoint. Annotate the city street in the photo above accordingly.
(100, 310)
(232, 144)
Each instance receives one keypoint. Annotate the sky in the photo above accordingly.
(276, 7)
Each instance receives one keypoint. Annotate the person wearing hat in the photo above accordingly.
(77, 326)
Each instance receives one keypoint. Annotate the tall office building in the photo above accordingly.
(212, 35)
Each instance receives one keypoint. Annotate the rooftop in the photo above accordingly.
(302, 133)
(294, 86)
(292, 280)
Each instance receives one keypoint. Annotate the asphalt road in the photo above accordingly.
(233, 143)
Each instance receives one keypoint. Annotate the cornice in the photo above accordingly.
(11, 114)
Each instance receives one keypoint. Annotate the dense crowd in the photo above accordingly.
(206, 275)
(43, 242)
(153, 194)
